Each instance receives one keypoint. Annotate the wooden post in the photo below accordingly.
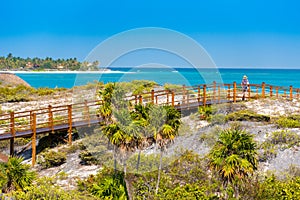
(13, 133)
(173, 98)
(152, 96)
(33, 139)
(271, 90)
(291, 92)
(140, 99)
(168, 97)
(156, 100)
(204, 95)
(276, 92)
(263, 85)
(214, 90)
(249, 91)
(199, 94)
(183, 94)
(87, 111)
(234, 91)
(298, 93)
(135, 98)
(228, 92)
(219, 93)
(50, 118)
(70, 124)
(187, 98)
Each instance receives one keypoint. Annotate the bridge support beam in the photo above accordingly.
(12, 146)
(204, 95)
(234, 92)
(13, 133)
(70, 124)
(33, 139)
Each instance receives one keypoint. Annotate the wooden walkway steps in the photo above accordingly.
(66, 117)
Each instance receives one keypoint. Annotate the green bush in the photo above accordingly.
(277, 140)
(106, 184)
(246, 115)
(285, 138)
(45, 188)
(206, 112)
(52, 158)
(218, 119)
(288, 122)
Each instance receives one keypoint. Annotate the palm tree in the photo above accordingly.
(164, 131)
(14, 175)
(234, 157)
(105, 109)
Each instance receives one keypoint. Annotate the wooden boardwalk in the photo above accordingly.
(66, 117)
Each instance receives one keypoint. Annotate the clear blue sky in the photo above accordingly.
(236, 33)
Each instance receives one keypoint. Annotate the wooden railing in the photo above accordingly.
(66, 117)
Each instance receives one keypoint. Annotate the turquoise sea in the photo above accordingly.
(187, 76)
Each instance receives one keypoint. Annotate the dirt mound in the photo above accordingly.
(12, 79)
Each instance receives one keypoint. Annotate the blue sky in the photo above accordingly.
(236, 33)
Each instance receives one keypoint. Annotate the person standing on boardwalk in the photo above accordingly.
(244, 85)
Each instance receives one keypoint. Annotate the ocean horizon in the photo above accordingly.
(182, 76)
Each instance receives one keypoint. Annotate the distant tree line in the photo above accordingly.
(17, 63)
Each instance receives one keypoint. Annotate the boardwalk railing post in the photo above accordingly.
(234, 92)
(249, 91)
(214, 90)
(70, 124)
(219, 93)
(87, 112)
(263, 85)
(271, 90)
(13, 133)
(167, 97)
(183, 94)
(291, 92)
(135, 98)
(140, 99)
(50, 118)
(298, 93)
(228, 92)
(188, 99)
(33, 139)
(173, 98)
(152, 96)
(204, 95)
(276, 92)
(198, 94)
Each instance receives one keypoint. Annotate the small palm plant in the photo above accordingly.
(234, 157)
(14, 175)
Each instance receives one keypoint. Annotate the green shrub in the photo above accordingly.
(46, 189)
(285, 138)
(218, 119)
(211, 137)
(277, 140)
(206, 112)
(52, 158)
(246, 115)
(267, 151)
(106, 184)
(287, 122)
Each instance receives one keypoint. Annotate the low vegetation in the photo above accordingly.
(51, 158)
(246, 115)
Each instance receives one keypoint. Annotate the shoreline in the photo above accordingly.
(65, 72)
